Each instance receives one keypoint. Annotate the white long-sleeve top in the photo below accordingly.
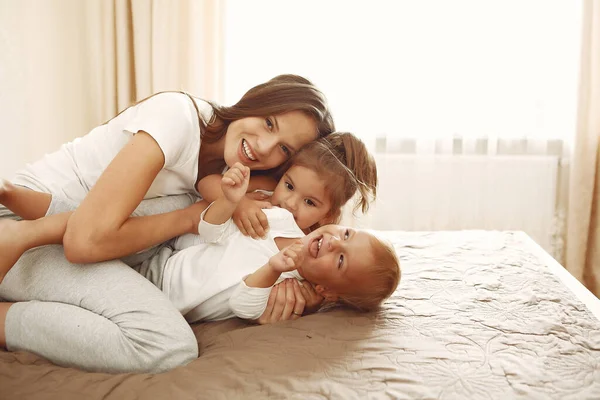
(204, 278)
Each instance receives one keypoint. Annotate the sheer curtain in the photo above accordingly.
(141, 47)
(583, 239)
(68, 65)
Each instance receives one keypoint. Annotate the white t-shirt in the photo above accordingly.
(204, 280)
(170, 118)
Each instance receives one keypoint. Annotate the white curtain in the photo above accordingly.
(69, 65)
(471, 183)
(583, 233)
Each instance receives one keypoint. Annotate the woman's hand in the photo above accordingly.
(286, 302)
(312, 298)
(249, 216)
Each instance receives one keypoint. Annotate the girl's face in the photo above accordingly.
(303, 193)
(337, 259)
(264, 143)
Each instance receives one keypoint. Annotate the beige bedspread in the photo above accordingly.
(478, 315)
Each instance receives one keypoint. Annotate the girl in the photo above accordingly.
(161, 146)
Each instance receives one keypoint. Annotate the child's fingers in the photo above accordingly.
(290, 258)
(237, 176)
(238, 166)
(265, 204)
(286, 254)
(238, 180)
(228, 181)
(289, 261)
(262, 220)
(249, 228)
(296, 249)
(258, 228)
(240, 224)
(291, 252)
(229, 175)
(241, 174)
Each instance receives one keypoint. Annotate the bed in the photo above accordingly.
(478, 315)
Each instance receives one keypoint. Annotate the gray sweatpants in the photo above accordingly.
(99, 317)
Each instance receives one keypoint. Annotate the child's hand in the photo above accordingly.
(235, 182)
(287, 259)
(249, 216)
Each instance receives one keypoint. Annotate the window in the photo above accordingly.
(427, 68)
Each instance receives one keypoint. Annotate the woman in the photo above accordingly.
(161, 146)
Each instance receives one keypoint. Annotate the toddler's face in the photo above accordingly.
(337, 257)
(304, 194)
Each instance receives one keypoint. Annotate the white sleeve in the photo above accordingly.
(250, 302)
(210, 233)
(171, 120)
(186, 240)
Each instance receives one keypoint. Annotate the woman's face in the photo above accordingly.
(264, 143)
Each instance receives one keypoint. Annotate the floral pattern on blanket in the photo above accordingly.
(478, 315)
(492, 321)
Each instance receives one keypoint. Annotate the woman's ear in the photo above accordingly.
(328, 294)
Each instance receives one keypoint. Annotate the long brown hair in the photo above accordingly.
(343, 161)
(282, 94)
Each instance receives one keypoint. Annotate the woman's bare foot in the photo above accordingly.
(12, 245)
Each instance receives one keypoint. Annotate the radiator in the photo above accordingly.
(455, 192)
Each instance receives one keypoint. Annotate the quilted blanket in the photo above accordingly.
(477, 315)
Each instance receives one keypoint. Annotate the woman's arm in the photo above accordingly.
(101, 228)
